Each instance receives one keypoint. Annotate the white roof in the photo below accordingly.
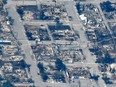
(83, 17)
(113, 66)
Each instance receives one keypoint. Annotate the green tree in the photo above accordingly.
(7, 84)
(59, 65)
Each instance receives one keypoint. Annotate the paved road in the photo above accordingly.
(76, 23)
(90, 59)
(34, 22)
(70, 7)
(21, 37)
(22, 2)
(19, 32)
